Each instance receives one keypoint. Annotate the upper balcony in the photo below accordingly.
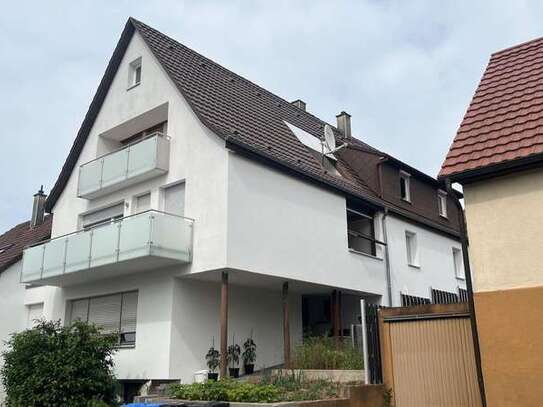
(136, 162)
(145, 241)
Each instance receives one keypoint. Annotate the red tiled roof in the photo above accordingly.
(16, 239)
(504, 122)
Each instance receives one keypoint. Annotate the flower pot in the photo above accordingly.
(249, 369)
(213, 377)
(233, 371)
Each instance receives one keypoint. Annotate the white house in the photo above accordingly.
(186, 178)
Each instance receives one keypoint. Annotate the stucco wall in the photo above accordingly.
(504, 219)
(436, 268)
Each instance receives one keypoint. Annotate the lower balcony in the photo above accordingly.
(145, 241)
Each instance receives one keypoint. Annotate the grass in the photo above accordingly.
(325, 353)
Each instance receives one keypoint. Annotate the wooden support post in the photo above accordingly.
(224, 323)
(336, 324)
(286, 326)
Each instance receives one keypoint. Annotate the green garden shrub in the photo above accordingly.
(53, 365)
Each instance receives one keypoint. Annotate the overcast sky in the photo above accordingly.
(405, 70)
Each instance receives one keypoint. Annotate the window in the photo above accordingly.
(35, 312)
(111, 313)
(442, 203)
(410, 300)
(174, 199)
(134, 73)
(443, 297)
(360, 231)
(412, 249)
(458, 262)
(405, 191)
(109, 214)
(143, 203)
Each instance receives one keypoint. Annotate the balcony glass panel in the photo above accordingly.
(143, 156)
(114, 168)
(135, 237)
(105, 240)
(136, 162)
(148, 234)
(53, 257)
(78, 251)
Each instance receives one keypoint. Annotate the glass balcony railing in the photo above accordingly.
(161, 237)
(134, 163)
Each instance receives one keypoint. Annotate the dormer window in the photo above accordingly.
(405, 191)
(442, 203)
(134, 73)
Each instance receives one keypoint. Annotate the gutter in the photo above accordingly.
(467, 270)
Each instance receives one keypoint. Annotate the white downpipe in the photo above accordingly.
(364, 340)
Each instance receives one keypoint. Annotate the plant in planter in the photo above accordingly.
(249, 355)
(233, 359)
(213, 360)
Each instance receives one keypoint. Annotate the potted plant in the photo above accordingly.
(212, 360)
(249, 355)
(233, 359)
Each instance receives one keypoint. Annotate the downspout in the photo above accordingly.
(467, 270)
(387, 258)
(384, 227)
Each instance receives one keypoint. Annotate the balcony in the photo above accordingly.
(138, 161)
(145, 241)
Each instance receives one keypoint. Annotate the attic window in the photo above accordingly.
(442, 203)
(405, 191)
(134, 73)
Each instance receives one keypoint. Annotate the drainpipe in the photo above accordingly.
(467, 270)
(387, 258)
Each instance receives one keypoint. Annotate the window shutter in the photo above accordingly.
(105, 312)
(129, 312)
(143, 202)
(174, 199)
(79, 311)
(111, 212)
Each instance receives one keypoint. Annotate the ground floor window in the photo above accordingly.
(114, 313)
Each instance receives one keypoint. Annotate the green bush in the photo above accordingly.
(283, 387)
(325, 353)
(52, 365)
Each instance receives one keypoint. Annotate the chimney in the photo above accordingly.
(344, 123)
(38, 208)
(300, 104)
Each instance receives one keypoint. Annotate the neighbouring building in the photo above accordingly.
(497, 156)
(197, 207)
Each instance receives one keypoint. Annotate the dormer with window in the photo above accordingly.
(405, 187)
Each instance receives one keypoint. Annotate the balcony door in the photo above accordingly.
(174, 199)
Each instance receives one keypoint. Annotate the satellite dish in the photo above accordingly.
(329, 139)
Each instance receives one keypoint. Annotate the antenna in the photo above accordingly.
(329, 143)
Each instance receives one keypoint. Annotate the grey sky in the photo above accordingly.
(405, 70)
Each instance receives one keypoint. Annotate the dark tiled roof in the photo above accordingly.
(504, 122)
(16, 239)
(244, 114)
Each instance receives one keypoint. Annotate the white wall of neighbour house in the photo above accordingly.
(436, 264)
(285, 227)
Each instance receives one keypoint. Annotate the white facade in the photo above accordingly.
(261, 225)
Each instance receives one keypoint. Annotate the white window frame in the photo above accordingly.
(133, 68)
(98, 209)
(442, 203)
(162, 196)
(135, 199)
(412, 250)
(458, 263)
(406, 177)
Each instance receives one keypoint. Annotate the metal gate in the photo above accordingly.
(428, 356)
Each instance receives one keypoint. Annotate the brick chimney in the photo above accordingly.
(300, 104)
(38, 208)
(344, 123)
